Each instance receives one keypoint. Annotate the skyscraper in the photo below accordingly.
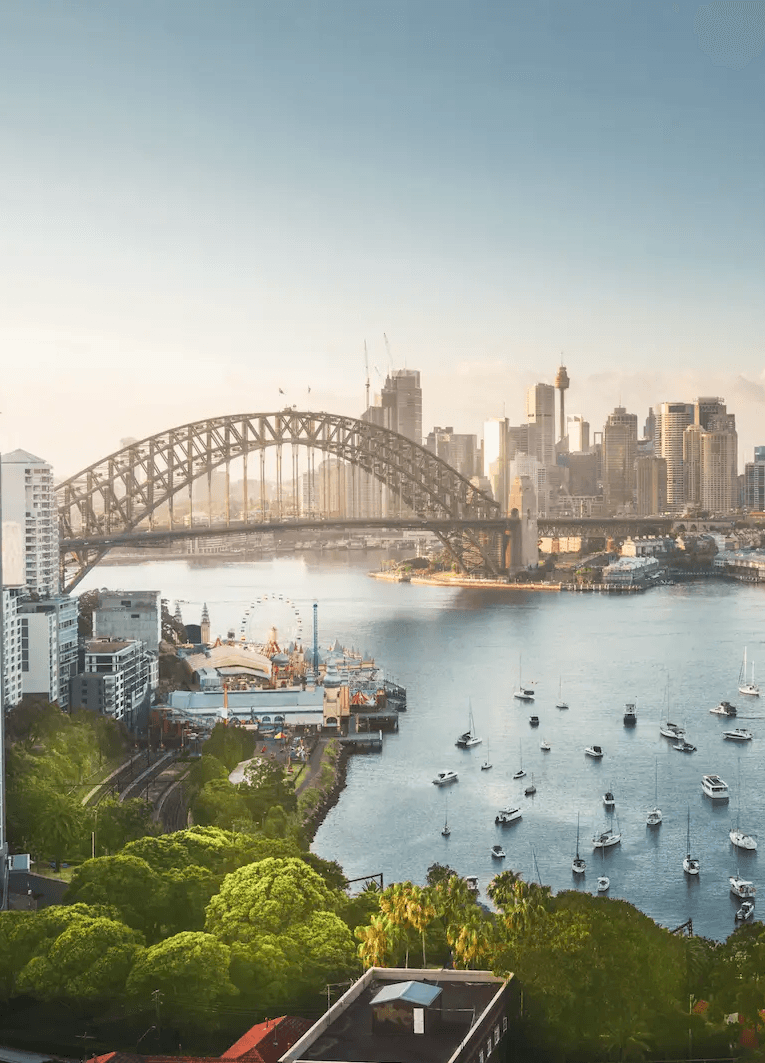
(495, 458)
(651, 478)
(29, 501)
(540, 411)
(672, 420)
(578, 431)
(619, 453)
(402, 403)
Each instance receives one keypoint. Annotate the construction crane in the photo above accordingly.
(387, 348)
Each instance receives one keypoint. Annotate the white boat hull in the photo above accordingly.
(605, 840)
(741, 840)
(603, 884)
(740, 887)
(691, 865)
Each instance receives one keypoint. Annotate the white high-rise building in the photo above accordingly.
(578, 432)
(29, 501)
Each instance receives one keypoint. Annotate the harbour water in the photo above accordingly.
(452, 647)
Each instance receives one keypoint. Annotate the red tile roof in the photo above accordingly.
(269, 1040)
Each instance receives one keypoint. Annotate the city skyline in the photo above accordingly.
(205, 209)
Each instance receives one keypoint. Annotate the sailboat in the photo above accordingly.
(560, 703)
(690, 863)
(446, 829)
(520, 773)
(523, 693)
(653, 819)
(737, 836)
(604, 882)
(531, 788)
(487, 763)
(577, 864)
(747, 685)
(469, 738)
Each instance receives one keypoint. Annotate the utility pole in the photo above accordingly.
(366, 366)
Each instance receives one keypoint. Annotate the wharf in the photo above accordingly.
(365, 742)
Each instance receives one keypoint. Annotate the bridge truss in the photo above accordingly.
(139, 488)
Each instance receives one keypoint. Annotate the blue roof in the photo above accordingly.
(412, 992)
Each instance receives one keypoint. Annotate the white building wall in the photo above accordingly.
(29, 501)
(39, 654)
(12, 677)
(129, 615)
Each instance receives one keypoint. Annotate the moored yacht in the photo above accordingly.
(604, 883)
(671, 730)
(746, 911)
(742, 887)
(715, 787)
(608, 799)
(498, 852)
(445, 777)
(606, 838)
(630, 716)
(724, 709)
(594, 751)
(738, 734)
(684, 746)
(741, 840)
(508, 815)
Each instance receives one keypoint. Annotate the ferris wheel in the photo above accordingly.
(269, 611)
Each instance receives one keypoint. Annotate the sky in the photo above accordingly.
(205, 201)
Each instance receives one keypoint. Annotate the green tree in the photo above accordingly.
(118, 822)
(267, 897)
(89, 960)
(218, 804)
(190, 971)
(265, 785)
(128, 884)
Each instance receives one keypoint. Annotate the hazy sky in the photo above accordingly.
(207, 200)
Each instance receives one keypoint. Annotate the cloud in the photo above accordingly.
(749, 389)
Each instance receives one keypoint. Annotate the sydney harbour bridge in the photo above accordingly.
(297, 470)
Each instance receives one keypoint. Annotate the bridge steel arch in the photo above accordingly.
(123, 491)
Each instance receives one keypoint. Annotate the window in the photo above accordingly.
(127, 602)
(504, 1024)
(488, 1047)
(496, 1035)
(480, 1056)
(135, 616)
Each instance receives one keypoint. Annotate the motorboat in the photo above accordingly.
(508, 815)
(498, 852)
(594, 751)
(604, 884)
(715, 787)
(671, 730)
(724, 709)
(471, 881)
(445, 777)
(545, 746)
(746, 911)
(531, 788)
(738, 734)
(469, 737)
(691, 865)
(684, 746)
(608, 799)
(534, 721)
(742, 887)
(653, 818)
(606, 838)
(741, 840)
(746, 683)
(630, 716)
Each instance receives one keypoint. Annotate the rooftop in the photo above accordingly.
(345, 1031)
